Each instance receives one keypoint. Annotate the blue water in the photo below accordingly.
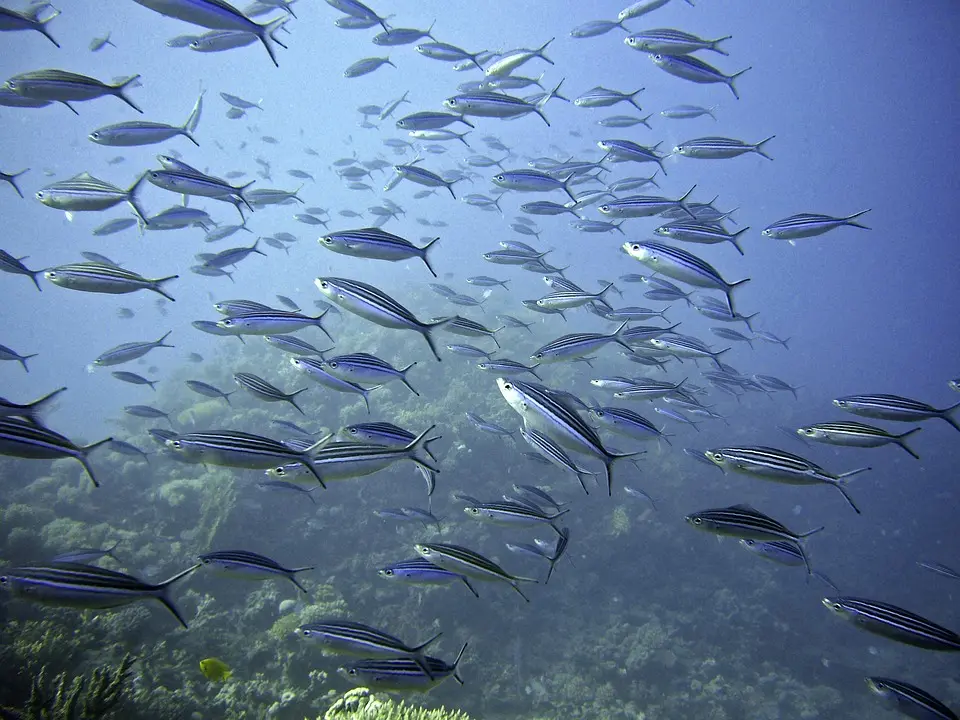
(864, 107)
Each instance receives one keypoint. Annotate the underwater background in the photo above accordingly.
(643, 617)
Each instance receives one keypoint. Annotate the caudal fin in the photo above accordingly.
(901, 440)
(118, 91)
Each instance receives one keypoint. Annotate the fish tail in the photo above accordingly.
(226, 396)
(947, 414)
(730, 288)
(808, 533)
(160, 343)
(42, 24)
(82, 457)
(733, 239)
(292, 401)
(38, 407)
(426, 330)
(682, 202)
(418, 650)
(849, 219)
(23, 360)
(540, 50)
(716, 354)
(846, 496)
(901, 440)
(420, 443)
(733, 77)
(160, 592)
(118, 91)
(155, 286)
(714, 43)
(266, 35)
(756, 148)
(13, 178)
(632, 97)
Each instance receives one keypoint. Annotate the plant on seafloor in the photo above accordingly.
(79, 699)
(361, 704)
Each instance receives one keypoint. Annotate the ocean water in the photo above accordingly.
(644, 617)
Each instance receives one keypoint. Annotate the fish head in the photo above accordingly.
(835, 604)
(769, 233)
(658, 59)
(473, 512)
(424, 551)
(386, 573)
(716, 457)
(679, 150)
(808, 432)
(841, 403)
(450, 103)
(697, 521)
(512, 395)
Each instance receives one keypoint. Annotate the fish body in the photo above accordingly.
(25, 439)
(86, 587)
(376, 244)
(895, 407)
(472, 564)
(363, 368)
(251, 566)
(910, 699)
(130, 351)
(720, 148)
(672, 42)
(695, 70)
(805, 225)
(85, 193)
(66, 87)
(215, 670)
(420, 571)
(270, 322)
(894, 622)
(855, 434)
(402, 674)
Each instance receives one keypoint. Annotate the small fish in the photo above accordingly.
(910, 699)
(215, 670)
(695, 70)
(854, 434)
(894, 622)
(472, 564)
(284, 485)
(251, 566)
(87, 555)
(353, 638)
(8, 354)
(208, 390)
(134, 379)
(66, 87)
(26, 439)
(99, 278)
(258, 387)
(939, 569)
(807, 225)
(130, 351)
(895, 408)
(402, 674)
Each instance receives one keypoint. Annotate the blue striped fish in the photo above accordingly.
(806, 225)
(894, 622)
(910, 699)
(76, 585)
(258, 387)
(402, 674)
(896, 408)
(251, 566)
(472, 564)
(27, 439)
(376, 244)
(100, 278)
(695, 70)
(419, 571)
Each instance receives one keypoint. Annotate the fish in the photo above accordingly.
(855, 434)
(939, 569)
(130, 351)
(139, 132)
(219, 15)
(512, 513)
(356, 9)
(27, 439)
(215, 670)
(805, 225)
(86, 555)
(271, 322)
(743, 521)
(720, 148)
(702, 233)
(577, 345)
(221, 40)
(29, 19)
(134, 379)
(672, 42)
(294, 345)
(683, 266)
(895, 408)
(376, 306)
(85, 193)
(363, 368)
(642, 7)
(688, 112)
(695, 70)
(605, 97)
(366, 66)
(258, 387)
(124, 448)
(402, 674)
(345, 637)
(910, 699)
(207, 390)
(251, 566)
(317, 370)
(420, 571)
(498, 105)
(86, 587)
(376, 244)
(8, 354)
(469, 563)
(893, 622)
(780, 466)
(66, 87)
(100, 278)
(545, 411)
(595, 28)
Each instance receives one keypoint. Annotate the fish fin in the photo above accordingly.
(293, 402)
(540, 50)
(847, 220)
(714, 43)
(403, 376)
(160, 343)
(71, 107)
(632, 97)
(118, 91)
(756, 148)
(155, 286)
(265, 33)
(423, 646)
(733, 77)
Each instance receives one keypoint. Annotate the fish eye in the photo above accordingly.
(387, 573)
(352, 671)
(205, 561)
(353, 431)
(327, 240)
(94, 135)
(697, 521)
(599, 413)
(539, 356)
(498, 178)
(176, 444)
(837, 607)
(604, 208)
(749, 543)
(333, 365)
(658, 57)
(40, 195)
(279, 472)
(3, 579)
(154, 175)
(324, 284)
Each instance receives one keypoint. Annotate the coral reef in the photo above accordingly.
(361, 704)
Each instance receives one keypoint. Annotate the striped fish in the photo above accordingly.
(251, 566)
(554, 454)
(494, 104)
(512, 513)
(376, 306)
(577, 345)
(344, 460)
(207, 390)
(220, 15)
(648, 389)
(271, 322)
(779, 466)
(130, 351)
(681, 265)
(420, 571)
(505, 367)
(680, 346)
(543, 410)
(317, 370)
(695, 70)
(27, 439)
(422, 176)
(101, 278)
(384, 433)
(699, 232)
(720, 148)
(469, 328)
(910, 699)
(239, 449)
(199, 184)
(854, 434)
(15, 266)
(402, 674)
(566, 300)
(605, 97)
(637, 206)
(376, 244)
(258, 387)
(294, 345)
(627, 150)
(29, 20)
(804, 225)
(472, 564)
(672, 42)
(240, 307)
(82, 586)
(366, 368)
(352, 638)
(211, 328)
(743, 521)
(67, 87)
(628, 423)
(894, 622)
(85, 193)
(894, 407)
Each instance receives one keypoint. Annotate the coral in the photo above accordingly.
(619, 521)
(80, 699)
(361, 704)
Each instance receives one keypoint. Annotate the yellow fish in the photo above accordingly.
(215, 670)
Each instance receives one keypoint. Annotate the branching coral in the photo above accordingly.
(79, 699)
(361, 704)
